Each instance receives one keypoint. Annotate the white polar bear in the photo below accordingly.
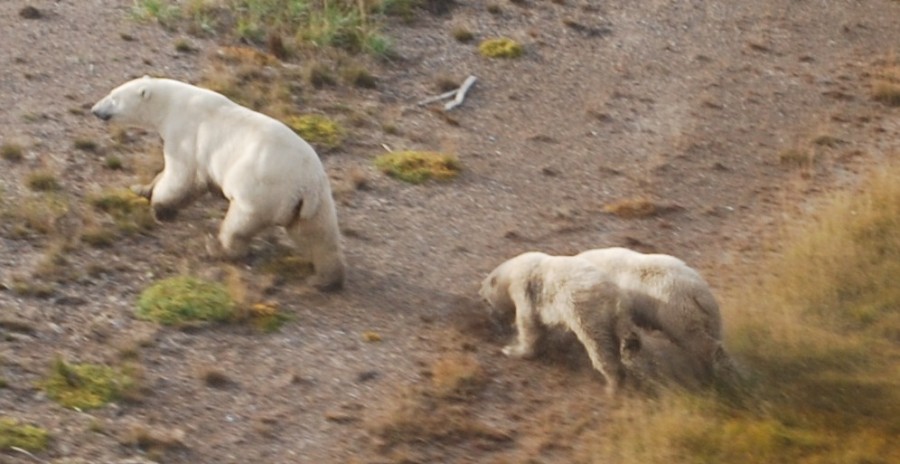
(682, 307)
(270, 176)
(543, 290)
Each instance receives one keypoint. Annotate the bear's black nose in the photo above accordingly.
(102, 115)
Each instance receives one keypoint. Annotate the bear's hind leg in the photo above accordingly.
(319, 238)
(238, 227)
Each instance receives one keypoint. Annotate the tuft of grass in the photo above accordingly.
(24, 286)
(267, 316)
(796, 157)
(85, 144)
(360, 77)
(371, 337)
(43, 181)
(632, 208)
(886, 92)
(130, 212)
(161, 11)
(318, 130)
(457, 376)
(320, 76)
(35, 214)
(184, 299)
(287, 267)
(113, 162)
(85, 386)
(152, 441)
(215, 378)
(12, 152)
(14, 434)
(817, 329)
(184, 46)
(98, 237)
(419, 418)
(500, 48)
(416, 167)
(350, 25)
(462, 34)
(886, 86)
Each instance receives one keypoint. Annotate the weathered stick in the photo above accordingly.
(461, 93)
(442, 96)
(458, 95)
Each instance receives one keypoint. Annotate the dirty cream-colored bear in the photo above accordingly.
(270, 176)
(544, 291)
(680, 320)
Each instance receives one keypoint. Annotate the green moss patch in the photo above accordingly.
(184, 299)
(85, 386)
(500, 48)
(418, 166)
(317, 130)
(16, 435)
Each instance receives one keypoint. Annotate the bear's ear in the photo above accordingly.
(145, 93)
(145, 77)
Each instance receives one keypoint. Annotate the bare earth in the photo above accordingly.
(687, 104)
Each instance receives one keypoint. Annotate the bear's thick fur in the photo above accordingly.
(270, 176)
(543, 291)
(683, 309)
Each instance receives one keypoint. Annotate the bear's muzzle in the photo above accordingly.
(101, 114)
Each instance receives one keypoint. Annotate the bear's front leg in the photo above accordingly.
(170, 189)
(146, 190)
(529, 331)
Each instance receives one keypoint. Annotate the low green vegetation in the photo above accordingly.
(283, 25)
(14, 434)
(11, 152)
(817, 330)
(183, 300)
(85, 144)
(319, 131)
(86, 386)
(500, 48)
(130, 212)
(43, 181)
(416, 167)
(35, 214)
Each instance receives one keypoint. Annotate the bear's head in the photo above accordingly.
(129, 104)
(495, 287)
(495, 294)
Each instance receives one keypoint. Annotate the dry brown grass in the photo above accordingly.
(817, 329)
(441, 412)
(796, 157)
(457, 376)
(632, 208)
(11, 151)
(886, 86)
(155, 442)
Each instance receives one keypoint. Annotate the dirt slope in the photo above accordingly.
(685, 104)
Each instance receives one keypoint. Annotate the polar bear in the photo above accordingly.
(543, 290)
(684, 312)
(270, 176)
